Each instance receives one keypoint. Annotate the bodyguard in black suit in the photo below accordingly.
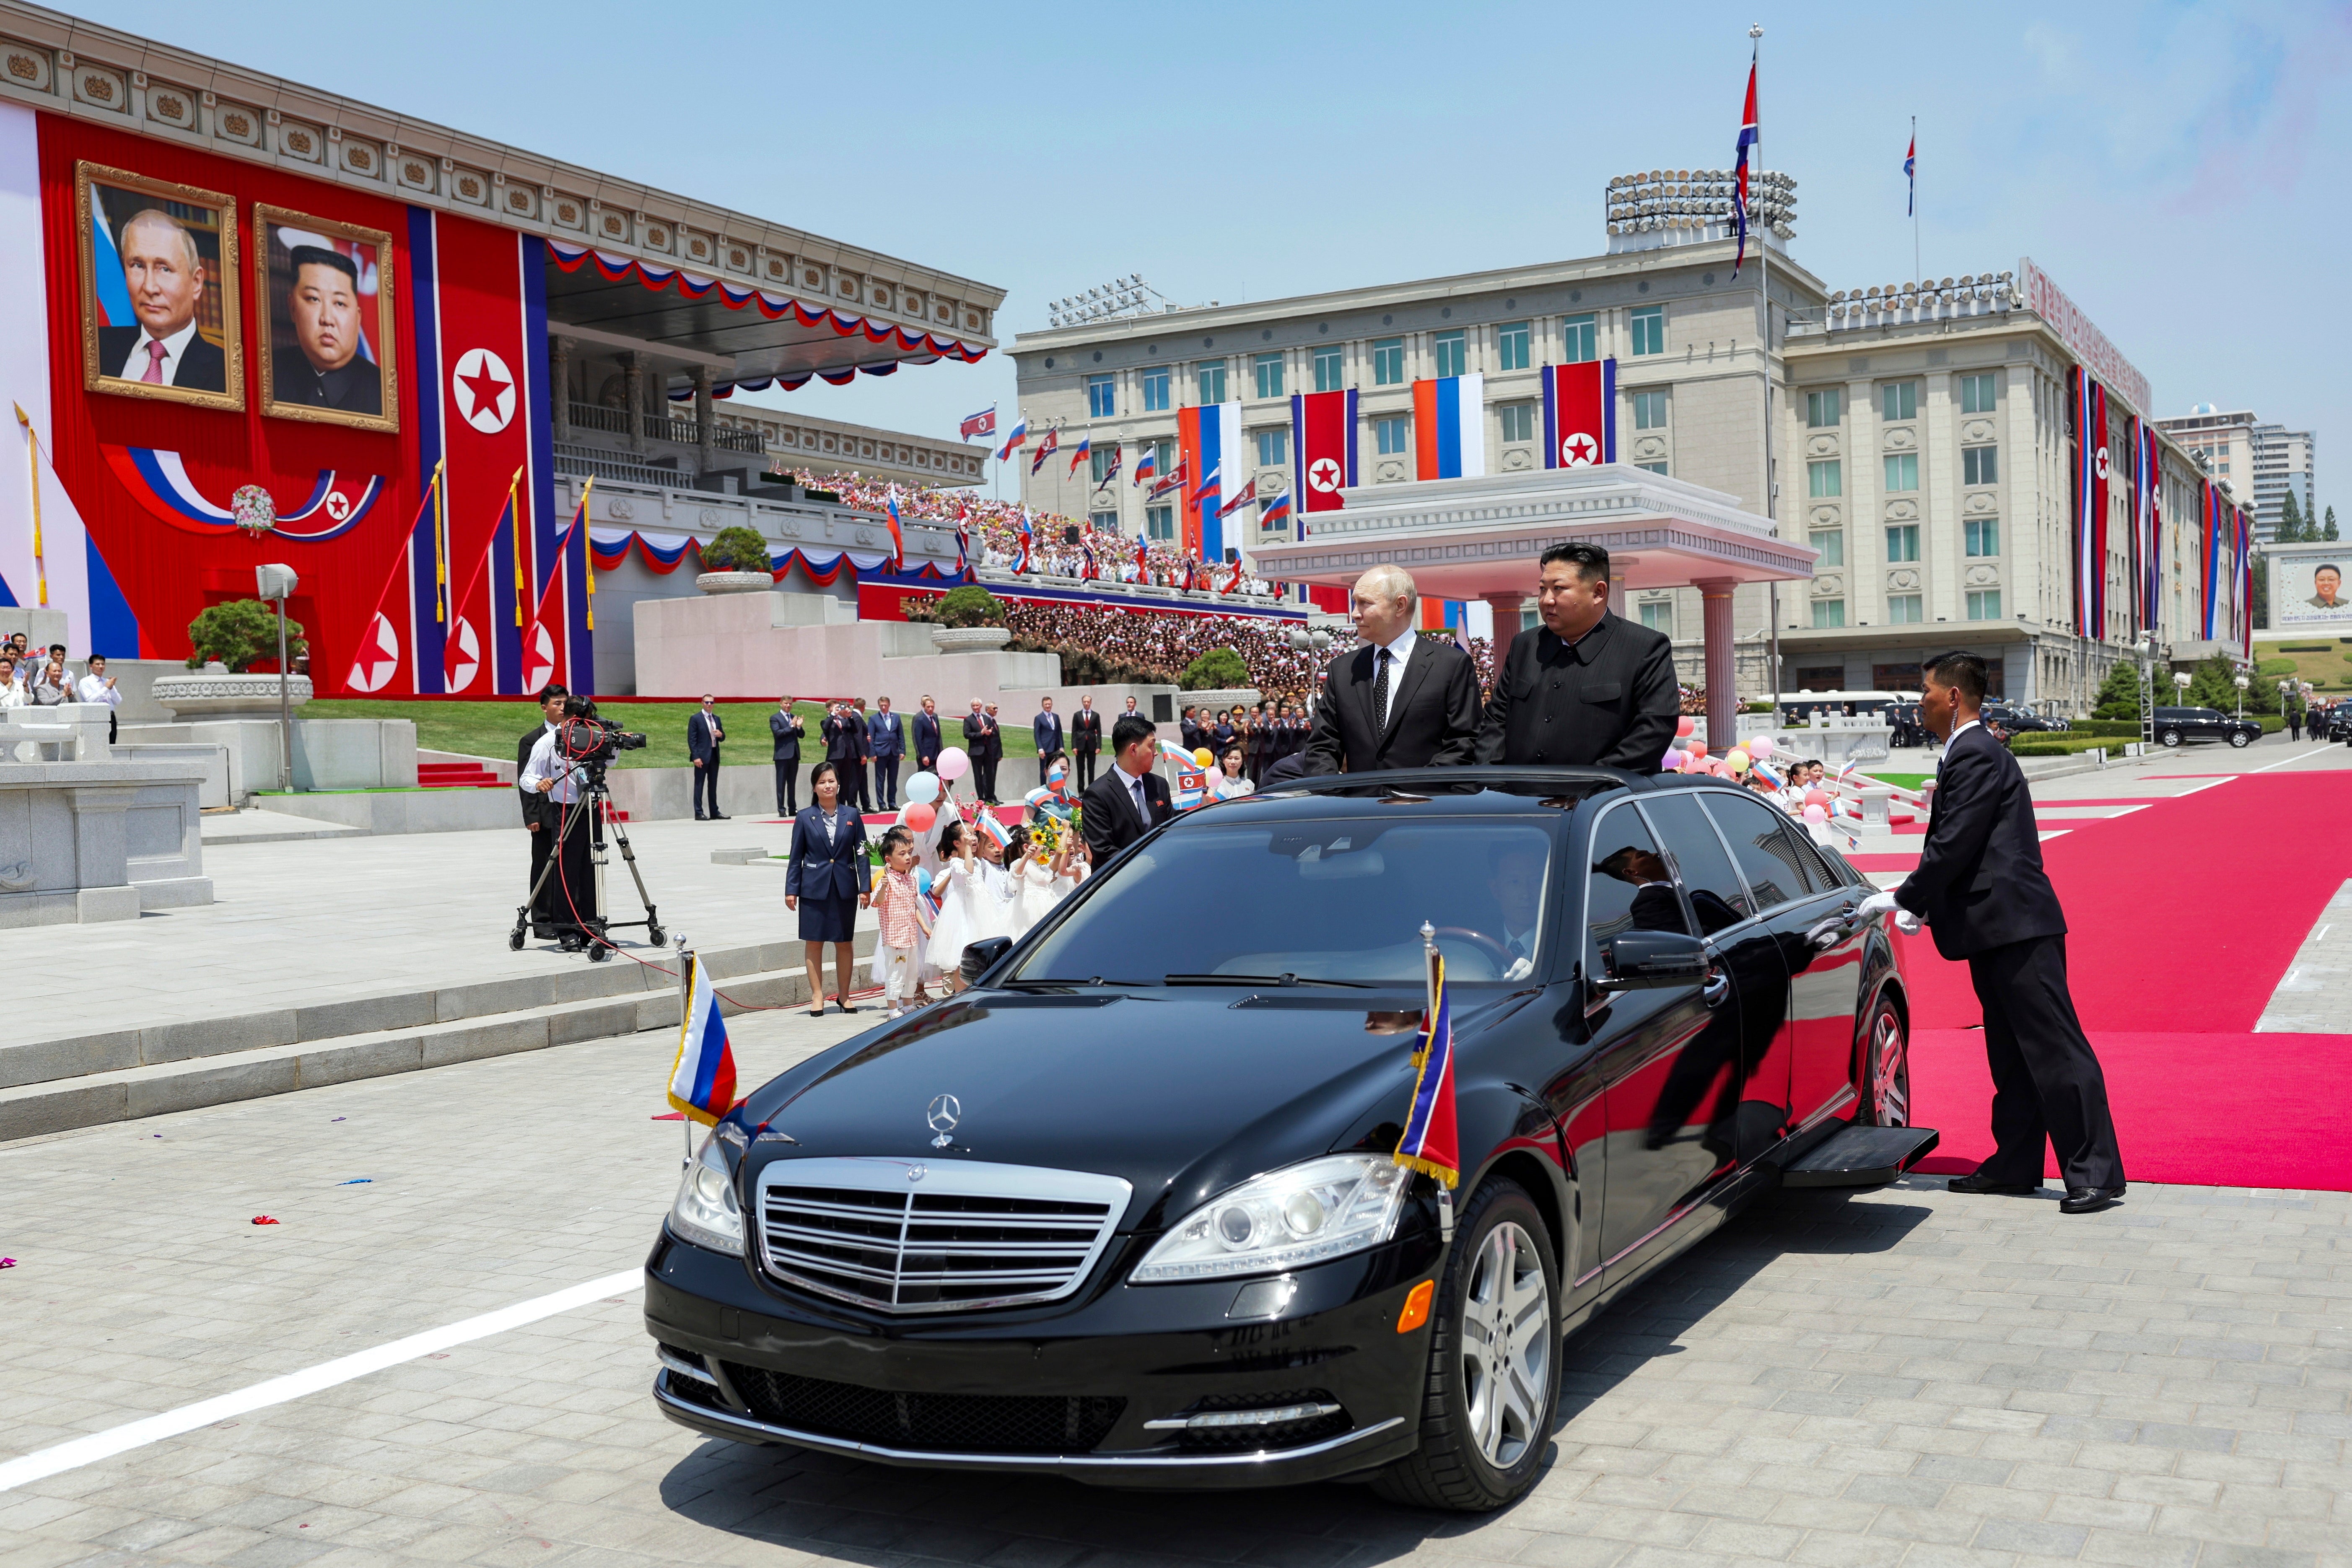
(787, 727)
(1401, 701)
(1980, 887)
(1086, 741)
(927, 737)
(1591, 687)
(703, 734)
(1046, 730)
(885, 740)
(534, 811)
(1112, 818)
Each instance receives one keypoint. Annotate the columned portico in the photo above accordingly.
(1722, 696)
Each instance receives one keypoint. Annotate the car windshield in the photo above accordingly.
(1315, 901)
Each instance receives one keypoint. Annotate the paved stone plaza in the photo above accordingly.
(1897, 1377)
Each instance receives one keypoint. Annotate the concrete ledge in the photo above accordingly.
(174, 893)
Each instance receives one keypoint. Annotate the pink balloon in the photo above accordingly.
(1696, 749)
(1672, 762)
(1686, 725)
(921, 817)
(954, 763)
(1816, 814)
(1760, 747)
(1817, 797)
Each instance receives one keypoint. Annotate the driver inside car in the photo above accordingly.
(1654, 908)
(1515, 878)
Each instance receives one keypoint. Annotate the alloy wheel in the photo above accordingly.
(1890, 1071)
(1507, 1345)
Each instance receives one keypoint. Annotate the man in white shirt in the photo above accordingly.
(164, 273)
(97, 686)
(567, 899)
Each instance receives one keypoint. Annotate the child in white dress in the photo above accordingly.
(1042, 878)
(974, 895)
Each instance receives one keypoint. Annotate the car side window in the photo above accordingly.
(1718, 897)
(1629, 886)
(1767, 859)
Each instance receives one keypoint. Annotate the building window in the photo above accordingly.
(1651, 468)
(1104, 521)
(1102, 402)
(1979, 464)
(1899, 400)
(1576, 341)
(1902, 541)
(1982, 535)
(1330, 369)
(1825, 477)
(1272, 447)
(1163, 459)
(1388, 361)
(1511, 345)
(1269, 374)
(1394, 435)
(1822, 409)
(1650, 330)
(1159, 521)
(1101, 461)
(1906, 609)
(1649, 411)
(1452, 353)
(1518, 421)
(1828, 615)
(1155, 390)
(1831, 542)
(1902, 471)
(1984, 604)
(1659, 616)
(1977, 393)
(1213, 384)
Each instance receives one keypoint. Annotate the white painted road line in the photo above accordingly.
(2300, 757)
(149, 1430)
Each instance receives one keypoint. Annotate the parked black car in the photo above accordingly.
(1126, 1210)
(2176, 725)
(2020, 720)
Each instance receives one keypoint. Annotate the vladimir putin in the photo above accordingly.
(165, 274)
(1400, 700)
(323, 304)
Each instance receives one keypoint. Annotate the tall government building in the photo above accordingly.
(1920, 429)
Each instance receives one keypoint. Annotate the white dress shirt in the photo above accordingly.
(1398, 652)
(1971, 724)
(135, 367)
(94, 688)
(545, 765)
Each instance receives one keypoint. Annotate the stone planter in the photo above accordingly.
(1237, 697)
(212, 692)
(970, 639)
(734, 581)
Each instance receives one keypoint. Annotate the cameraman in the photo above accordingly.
(567, 903)
(550, 707)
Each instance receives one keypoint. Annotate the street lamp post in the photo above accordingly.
(2242, 683)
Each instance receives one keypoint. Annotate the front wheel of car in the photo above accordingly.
(1886, 1068)
(2169, 738)
(1493, 1382)
(2239, 739)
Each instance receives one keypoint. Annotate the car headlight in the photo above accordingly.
(706, 1212)
(1303, 1213)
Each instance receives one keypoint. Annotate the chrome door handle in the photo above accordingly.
(1718, 987)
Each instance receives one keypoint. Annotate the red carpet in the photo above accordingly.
(2181, 919)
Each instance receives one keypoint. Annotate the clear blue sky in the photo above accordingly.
(2178, 168)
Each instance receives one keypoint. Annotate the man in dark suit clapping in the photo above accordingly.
(1131, 798)
(1591, 687)
(1981, 887)
(787, 728)
(885, 738)
(844, 734)
(1400, 700)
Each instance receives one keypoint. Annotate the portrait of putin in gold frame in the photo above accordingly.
(326, 337)
(159, 289)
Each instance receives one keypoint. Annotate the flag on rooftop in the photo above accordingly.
(1739, 190)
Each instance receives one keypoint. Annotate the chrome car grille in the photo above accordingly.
(906, 1236)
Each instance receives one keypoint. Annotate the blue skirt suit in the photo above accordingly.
(827, 875)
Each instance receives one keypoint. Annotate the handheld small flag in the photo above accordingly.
(926, 902)
(702, 1081)
(963, 543)
(995, 829)
(1028, 543)
(1431, 1143)
(898, 535)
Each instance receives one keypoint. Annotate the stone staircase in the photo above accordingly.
(455, 776)
(84, 1081)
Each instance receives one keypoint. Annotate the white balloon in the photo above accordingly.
(923, 787)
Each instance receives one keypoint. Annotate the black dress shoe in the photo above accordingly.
(2088, 1200)
(700, 817)
(719, 816)
(1980, 1184)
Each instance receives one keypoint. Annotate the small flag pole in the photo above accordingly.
(1915, 200)
(686, 961)
(1429, 964)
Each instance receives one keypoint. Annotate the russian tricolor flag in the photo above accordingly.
(1210, 440)
(1449, 427)
(702, 1081)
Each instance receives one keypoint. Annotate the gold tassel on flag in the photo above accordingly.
(588, 550)
(40, 556)
(440, 543)
(514, 515)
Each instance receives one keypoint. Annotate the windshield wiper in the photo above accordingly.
(1262, 980)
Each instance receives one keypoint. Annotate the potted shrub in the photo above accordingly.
(971, 620)
(736, 562)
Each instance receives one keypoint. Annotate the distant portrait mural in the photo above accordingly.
(326, 337)
(2311, 589)
(159, 289)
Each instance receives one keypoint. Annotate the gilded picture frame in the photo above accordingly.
(324, 315)
(136, 236)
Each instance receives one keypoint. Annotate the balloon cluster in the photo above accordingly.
(1685, 755)
(923, 789)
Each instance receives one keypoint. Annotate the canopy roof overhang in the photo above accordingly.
(1468, 538)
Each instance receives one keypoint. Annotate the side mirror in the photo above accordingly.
(980, 957)
(1651, 960)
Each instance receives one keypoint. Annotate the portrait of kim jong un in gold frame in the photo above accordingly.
(159, 289)
(326, 337)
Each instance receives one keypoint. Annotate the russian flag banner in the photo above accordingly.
(1579, 413)
(1210, 442)
(1449, 425)
(702, 1080)
(1323, 447)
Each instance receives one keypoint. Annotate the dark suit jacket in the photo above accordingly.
(1110, 821)
(1085, 731)
(356, 388)
(202, 366)
(1609, 699)
(885, 735)
(704, 735)
(1980, 883)
(1433, 713)
(819, 870)
(980, 734)
(532, 801)
(927, 737)
(788, 732)
(841, 731)
(1046, 728)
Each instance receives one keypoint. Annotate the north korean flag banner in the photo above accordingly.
(1323, 447)
(1579, 413)
(2090, 534)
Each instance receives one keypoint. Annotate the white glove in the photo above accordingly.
(1879, 903)
(1908, 923)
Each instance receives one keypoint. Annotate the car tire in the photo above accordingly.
(2168, 737)
(1885, 1086)
(1481, 1444)
(2240, 740)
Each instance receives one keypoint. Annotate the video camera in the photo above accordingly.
(593, 742)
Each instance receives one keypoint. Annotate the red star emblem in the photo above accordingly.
(483, 388)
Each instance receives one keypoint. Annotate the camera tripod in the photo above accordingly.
(595, 797)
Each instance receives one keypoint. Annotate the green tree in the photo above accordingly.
(2328, 532)
(1219, 670)
(2214, 684)
(239, 632)
(2292, 529)
(970, 605)
(737, 548)
(2118, 695)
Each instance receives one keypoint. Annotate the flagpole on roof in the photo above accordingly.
(1771, 496)
(1915, 200)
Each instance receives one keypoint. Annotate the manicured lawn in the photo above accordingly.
(1904, 781)
(491, 729)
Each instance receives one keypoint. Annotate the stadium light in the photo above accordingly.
(1124, 295)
